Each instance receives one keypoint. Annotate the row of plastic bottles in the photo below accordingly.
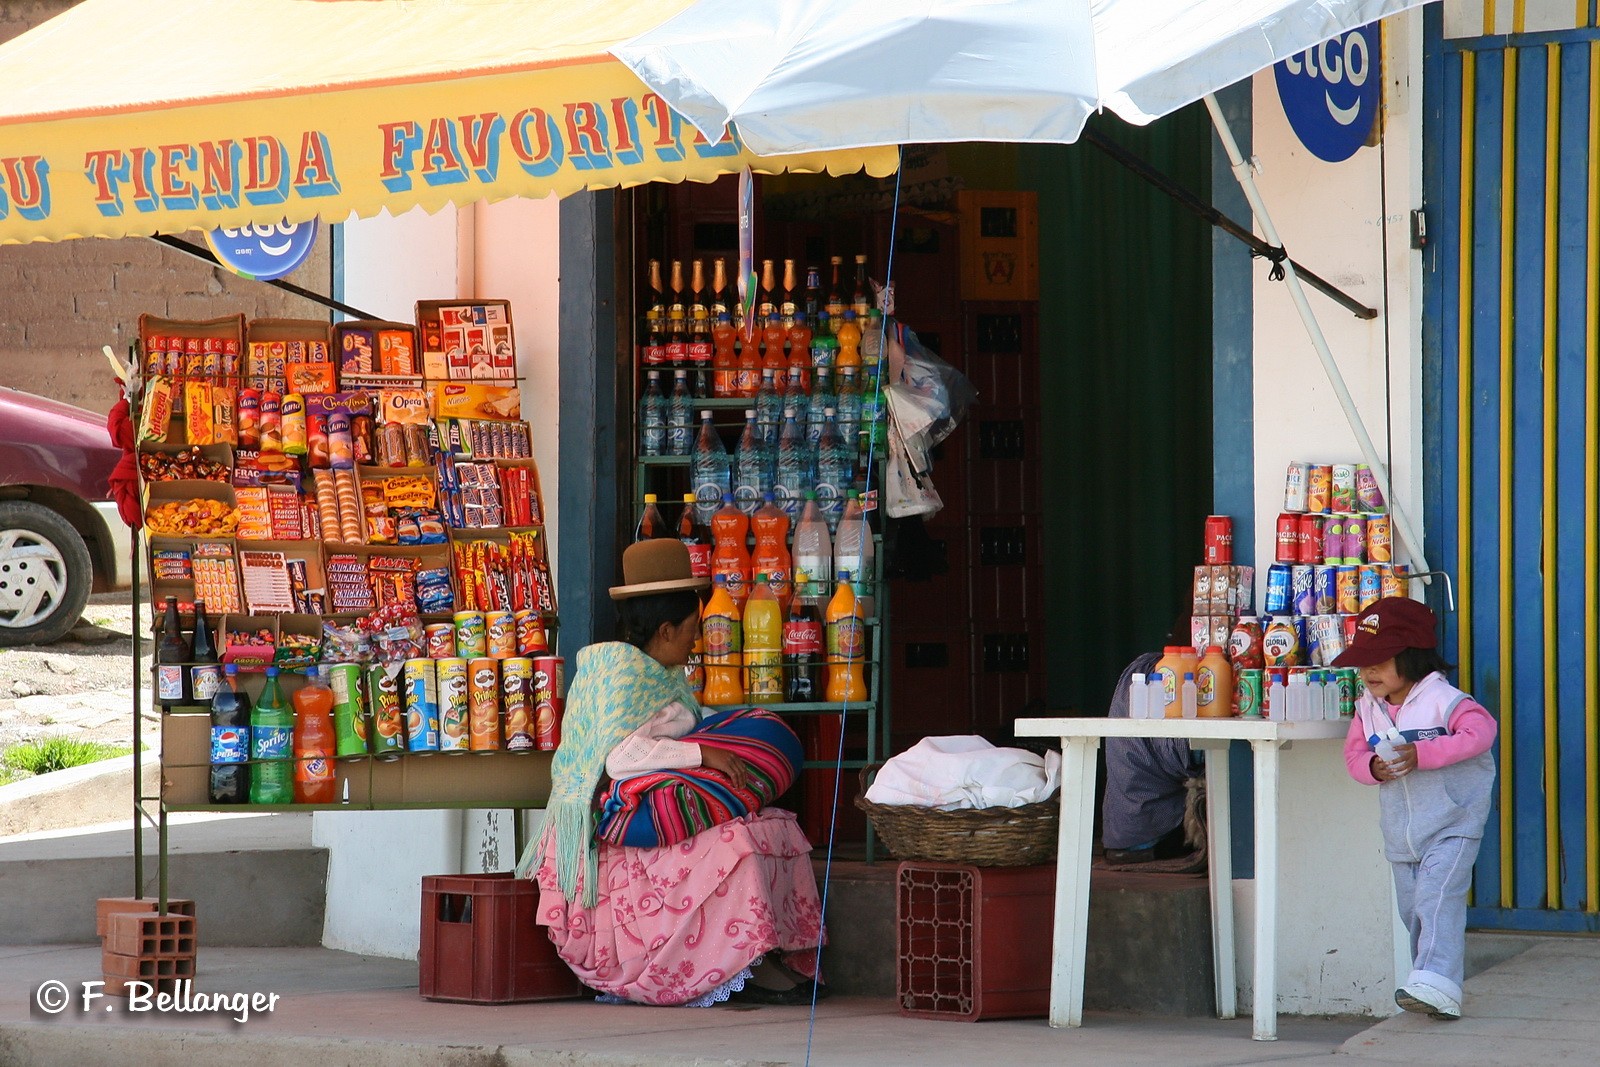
(273, 750)
(758, 653)
(825, 465)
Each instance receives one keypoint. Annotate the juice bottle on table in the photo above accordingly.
(720, 634)
(724, 360)
(1175, 662)
(849, 338)
(313, 742)
(730, 554)
(763, 644)
(1215, 682)
(847, 646)
(772, 550)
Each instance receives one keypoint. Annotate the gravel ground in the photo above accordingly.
(81, 686)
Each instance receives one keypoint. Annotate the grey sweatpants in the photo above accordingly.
(1432, 896)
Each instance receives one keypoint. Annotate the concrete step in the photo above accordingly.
(256, 880)
(94, 793)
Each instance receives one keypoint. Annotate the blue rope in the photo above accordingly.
(844, 711)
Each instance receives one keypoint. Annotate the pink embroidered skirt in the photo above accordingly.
(672, 924)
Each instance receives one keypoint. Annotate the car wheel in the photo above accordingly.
(44, 574)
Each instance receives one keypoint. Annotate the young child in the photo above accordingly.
(1433, 797)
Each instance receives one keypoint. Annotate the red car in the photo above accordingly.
(60, 535)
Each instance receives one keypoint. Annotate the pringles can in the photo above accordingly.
(388, 718)
(516, 690)
(1219, 540)
(1294, 486)
(441, 640)
(549, 700)
(349, 716)
(453, 704)
(471, 639)
(501, 631)
(483, 704)
(530, 633)
(420, 690)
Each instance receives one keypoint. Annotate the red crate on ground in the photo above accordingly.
(974, 942)
(134, 934)
(106, 907)
(480, 944)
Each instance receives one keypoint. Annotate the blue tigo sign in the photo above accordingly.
(1331, 92)
(263, 252)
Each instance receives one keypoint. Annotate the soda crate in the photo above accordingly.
(105, 907)
(480, 944)
(974, 942)
(150, 935)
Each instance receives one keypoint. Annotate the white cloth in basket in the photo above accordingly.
(965, 771)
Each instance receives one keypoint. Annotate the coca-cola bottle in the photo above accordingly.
(802, 652)
(696, 537)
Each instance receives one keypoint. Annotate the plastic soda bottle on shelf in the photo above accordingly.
(824, 346)
(799, 399)
(872, 340)
(719, 629)
(651, 524)
(680, 416)
(854, 552)
(763, 644)
(747, 372)
(813, 552)
(849, 340)
(730, 555)
(711, 470)
(272, 746)
(847, 409)
(750, 478)
(653, 417)
(847, 646)
(771, 528)
(696, 537)
(802, 652)
(230, 741)
(769, 409)
(724, 359)
(773, 335)
(694, 669)
(314, 782)
(835, 470)
(794, 465)
(822, 398)
(800, 352)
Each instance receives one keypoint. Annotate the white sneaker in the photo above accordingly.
(1422, 997)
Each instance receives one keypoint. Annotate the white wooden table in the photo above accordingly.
(1080, 739)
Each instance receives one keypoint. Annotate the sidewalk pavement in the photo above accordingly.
(336, 1008)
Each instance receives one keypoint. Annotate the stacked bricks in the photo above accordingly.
(139, 945)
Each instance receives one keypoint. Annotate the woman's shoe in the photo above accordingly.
(797, 995)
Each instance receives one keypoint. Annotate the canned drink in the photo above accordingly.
(1219, 540)
(1311, 527)
(1347, 625)
(349, 714)
(1355, 539)
(1288, 539)
(1244, 644)
(1368, 496)
(1302, 589)
(483, 704)
(1332, 539)
(1319, 489)
(1395, 580)
(420, 690)
(388, 717)
(471, 636)
(1369, 585)
(441, 640)
(1294, 486)
(1347, 590)
(1247, 693)
(1344, 487)
(1323, 639)
(530, 633)
(500, 631)
(453, 704)
(1380, 539)
(1324, 581)
(1349, 687)
(1278, 589)
(516, 689)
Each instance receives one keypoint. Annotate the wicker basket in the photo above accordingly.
(983, 837)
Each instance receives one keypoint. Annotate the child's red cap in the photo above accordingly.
(1387, 628)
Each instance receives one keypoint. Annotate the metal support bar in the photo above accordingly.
(1241, 171)
(1195, 204)
(277, 283)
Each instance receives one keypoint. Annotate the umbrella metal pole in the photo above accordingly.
(1241, 171)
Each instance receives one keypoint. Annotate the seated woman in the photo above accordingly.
(728, 912)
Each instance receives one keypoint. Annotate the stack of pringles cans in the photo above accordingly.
(486, 683)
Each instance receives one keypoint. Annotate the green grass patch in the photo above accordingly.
(55, 754)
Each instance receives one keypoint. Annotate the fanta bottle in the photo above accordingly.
(694, 671)
(730, 553)
(719, 632)
(772, 550)
(800, 352)
(847, 646)
(313, 742)
(849, 338)
(747, 375)
(763, 644)
(724, 360)
(772, 357)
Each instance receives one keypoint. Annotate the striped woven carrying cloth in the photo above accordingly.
(666, 807)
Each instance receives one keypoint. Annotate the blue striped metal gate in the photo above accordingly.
(1512, 394)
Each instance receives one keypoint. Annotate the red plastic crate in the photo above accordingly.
(480, 944)
(974, 942)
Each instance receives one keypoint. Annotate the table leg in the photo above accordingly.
(1219, 861)
(1072, 880)
(1266, 812)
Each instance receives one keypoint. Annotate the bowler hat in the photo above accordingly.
(659, 565)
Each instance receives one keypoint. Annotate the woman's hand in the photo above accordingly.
(718, 759)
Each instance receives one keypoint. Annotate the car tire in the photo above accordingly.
(45, 574)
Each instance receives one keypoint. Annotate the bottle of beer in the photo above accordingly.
(720, 299)
(802, 652)
(813, 304)
(836, 303)
(787, 308)
(861, 300)
(699, 333)
(655, 349)
(205, 676)
(230, 741)
(677, 321)
(766, 302)
(173, 686)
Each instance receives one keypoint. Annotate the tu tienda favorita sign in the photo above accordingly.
(1331, 92)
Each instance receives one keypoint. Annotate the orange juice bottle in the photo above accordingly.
(730, 554)
(763, 645)
(772, 357)
(1214, 680)
(720, 632)
(847, 646)
(800, 352)
(849, 338)
(772, 550)
(694, 671)
(747, 372)
(724, 360)
(1175, 662)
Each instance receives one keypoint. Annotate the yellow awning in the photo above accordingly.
(124, 118)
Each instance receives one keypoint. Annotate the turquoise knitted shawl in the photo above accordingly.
(614, 690)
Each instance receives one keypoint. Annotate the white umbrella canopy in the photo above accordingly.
(796, 75)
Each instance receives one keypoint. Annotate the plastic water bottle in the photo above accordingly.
(855, 554)
(848, 407)
(794, 465)
(711, 470)
(769, 409)
(653, 417)
(680, 416)
(795, 396)
(821, 399)
(1277, 699)
(1190, 696)
(835, 469)
(1387, 751)
(1297, 699)
(1138, 698)
(750, 475)
(813, 552)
